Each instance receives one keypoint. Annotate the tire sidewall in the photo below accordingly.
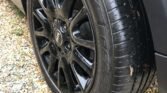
(103, 38)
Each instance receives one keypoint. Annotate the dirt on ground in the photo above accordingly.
(19, 71)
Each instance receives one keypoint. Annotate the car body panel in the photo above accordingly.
(19, 4)
(162, 76)
(157, 16)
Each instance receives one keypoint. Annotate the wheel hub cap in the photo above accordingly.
(58, 34)
(58, 38)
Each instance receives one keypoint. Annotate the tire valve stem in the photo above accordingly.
(131, 70)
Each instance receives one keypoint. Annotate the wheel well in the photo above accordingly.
(24, 3)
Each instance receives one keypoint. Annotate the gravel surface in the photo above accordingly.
(19, 71)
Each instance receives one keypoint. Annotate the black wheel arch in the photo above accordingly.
(156, 12)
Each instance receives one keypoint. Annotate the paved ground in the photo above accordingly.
(19, 71)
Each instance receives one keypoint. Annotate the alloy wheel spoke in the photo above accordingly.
(58, 77)
(85, 43)
(44, 49)
(42, 33)
(48, 7)
(79, 17)
(82, 81)
(84, 63)
(67, 75)
(53, 64)
(66, 8)
(41, 18)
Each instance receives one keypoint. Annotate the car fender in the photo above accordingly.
(156, 11)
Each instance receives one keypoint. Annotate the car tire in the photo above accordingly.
(124, 49)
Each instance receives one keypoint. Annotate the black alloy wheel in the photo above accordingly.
(65, 41)
(92, 46)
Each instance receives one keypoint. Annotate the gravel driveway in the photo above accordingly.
(19, 71)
